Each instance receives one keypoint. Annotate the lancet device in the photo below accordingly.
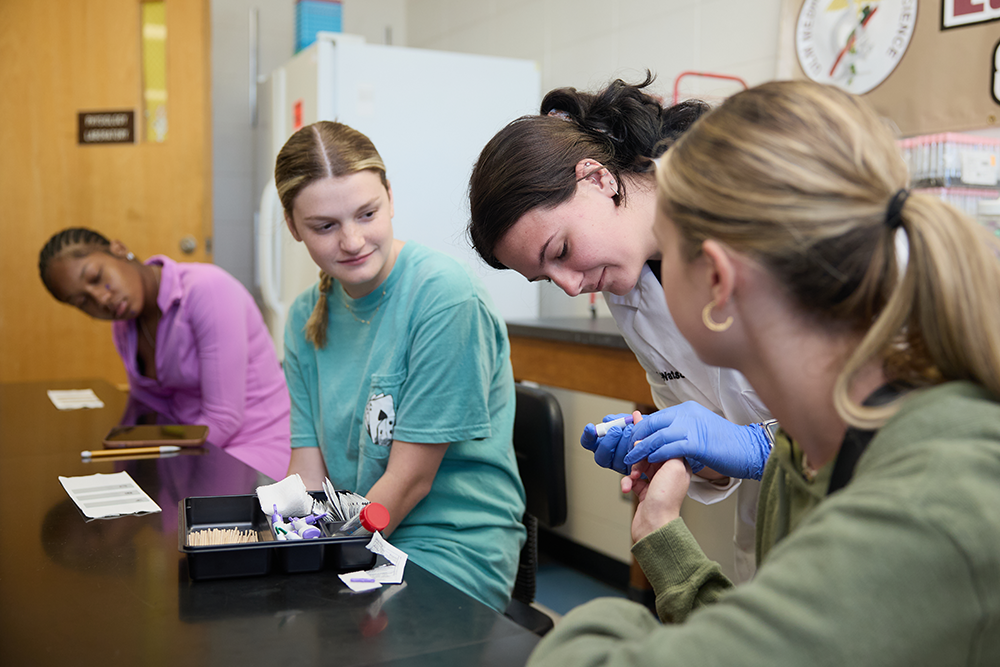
(602, 428)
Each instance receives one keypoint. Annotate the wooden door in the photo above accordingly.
(59, 58)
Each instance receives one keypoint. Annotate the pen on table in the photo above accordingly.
(129, 451)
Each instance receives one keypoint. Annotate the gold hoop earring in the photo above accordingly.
(706, 317)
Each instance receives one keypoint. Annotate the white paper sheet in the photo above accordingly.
(74, 399)
(359, 581)
(102, 496)
(391, 573)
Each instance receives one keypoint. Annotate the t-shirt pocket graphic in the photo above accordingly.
(378, 427)
(380, 413)
(380, 419)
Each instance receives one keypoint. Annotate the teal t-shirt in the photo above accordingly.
(424, 358)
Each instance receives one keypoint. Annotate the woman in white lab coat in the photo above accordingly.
(568, 196)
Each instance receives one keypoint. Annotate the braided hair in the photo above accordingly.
(78, 241)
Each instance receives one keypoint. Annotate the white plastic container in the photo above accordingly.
(964, 199)
(989, 214)
(952, 159)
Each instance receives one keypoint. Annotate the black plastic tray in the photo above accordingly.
(339, 553)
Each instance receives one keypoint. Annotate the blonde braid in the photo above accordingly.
(316, 326)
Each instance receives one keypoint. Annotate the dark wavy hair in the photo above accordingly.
(532, 161)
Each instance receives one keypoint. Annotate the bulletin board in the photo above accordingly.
(931, 66)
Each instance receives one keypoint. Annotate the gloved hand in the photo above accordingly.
(610, 449)
(703, 438)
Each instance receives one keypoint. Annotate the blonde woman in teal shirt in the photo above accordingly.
(399, 371)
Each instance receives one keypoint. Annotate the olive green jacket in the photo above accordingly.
(901, 567)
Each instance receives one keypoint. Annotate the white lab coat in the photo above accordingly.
(675, 375)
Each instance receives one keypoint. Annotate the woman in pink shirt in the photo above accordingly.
(193, 341)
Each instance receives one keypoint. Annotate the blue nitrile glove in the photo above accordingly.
(609, 450)
(703, 438)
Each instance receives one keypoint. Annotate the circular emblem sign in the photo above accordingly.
(852, 44)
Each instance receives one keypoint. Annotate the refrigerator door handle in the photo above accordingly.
(254, 58)
(269, 252)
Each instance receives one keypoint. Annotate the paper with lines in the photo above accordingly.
(74, 399)
(102, 496)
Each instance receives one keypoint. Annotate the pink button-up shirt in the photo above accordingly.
(215, 365)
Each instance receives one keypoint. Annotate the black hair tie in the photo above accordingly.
(893, 217)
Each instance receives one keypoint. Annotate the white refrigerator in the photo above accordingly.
(429, 114)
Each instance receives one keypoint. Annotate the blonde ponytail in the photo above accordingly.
(942, 321)
(824, 215)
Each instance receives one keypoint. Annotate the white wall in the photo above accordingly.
(584, 43)
(378, 21)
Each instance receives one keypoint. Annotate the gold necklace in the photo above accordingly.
(369, 320)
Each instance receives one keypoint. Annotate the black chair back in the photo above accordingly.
(538, 445)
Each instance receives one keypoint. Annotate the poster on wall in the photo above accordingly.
(930, 66)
